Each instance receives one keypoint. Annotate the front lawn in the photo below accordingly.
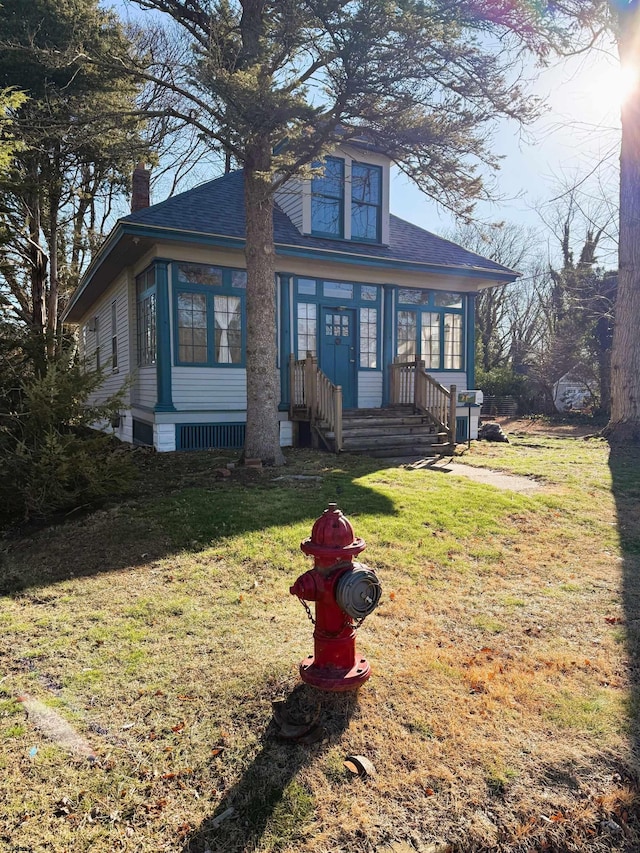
(501, 714)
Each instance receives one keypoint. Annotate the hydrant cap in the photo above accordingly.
(332, 533)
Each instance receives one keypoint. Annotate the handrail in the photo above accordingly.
(411, 385)
(314, 395)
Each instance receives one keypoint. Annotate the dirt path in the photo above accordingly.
(540, 426)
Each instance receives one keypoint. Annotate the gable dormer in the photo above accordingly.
(349, 201)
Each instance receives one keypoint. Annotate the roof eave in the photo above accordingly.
(124, 229)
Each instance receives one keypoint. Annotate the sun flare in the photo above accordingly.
(609, 86)
(628, 81)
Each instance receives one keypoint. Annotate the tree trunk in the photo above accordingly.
(52, 301)
(624, 423)
(38, 276)
(263, 381)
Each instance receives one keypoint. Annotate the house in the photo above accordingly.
(376, 308)
(572, 392)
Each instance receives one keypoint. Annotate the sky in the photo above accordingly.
(575, 141)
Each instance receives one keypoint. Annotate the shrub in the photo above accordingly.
(500, 382)
(49, 461)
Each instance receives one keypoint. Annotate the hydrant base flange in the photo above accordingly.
(334, 678)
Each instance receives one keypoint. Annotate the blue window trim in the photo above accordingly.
(378, 238)
(430, 307)
(164, 401)
(210, 291)
(356, 302)
(388, 339)
(286, 334)
(471, 340)
(319, 196)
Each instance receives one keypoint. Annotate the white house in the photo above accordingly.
(358, 289)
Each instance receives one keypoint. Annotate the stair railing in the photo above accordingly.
(411, 385)
(314, 397)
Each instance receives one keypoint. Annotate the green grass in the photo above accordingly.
(164, 628)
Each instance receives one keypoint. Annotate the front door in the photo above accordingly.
(338, 352)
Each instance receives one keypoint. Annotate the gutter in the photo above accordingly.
(123, 228)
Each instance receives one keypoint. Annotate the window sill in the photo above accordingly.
(200, 364)
(349, 241)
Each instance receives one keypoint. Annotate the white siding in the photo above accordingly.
(125, 430)
(209, 388)
(145, 388)
(369, 389)
(286, 434)
(289, 200)
(447, 379)
(99, 332)
(164, 437)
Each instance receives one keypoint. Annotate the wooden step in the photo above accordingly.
(387, 428)
(394, 431)
(375, 441)
(391, 423)
(378, 412)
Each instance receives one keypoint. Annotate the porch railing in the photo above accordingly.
(411, 385)
(314, 397)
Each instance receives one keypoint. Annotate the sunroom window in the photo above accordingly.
(192, 328)
(368, 337)
(430, 352)
(209, 315)
(146, 317)
(432, 329)
(307, 329)
(453, 341)
(407, 327)
(228, 319)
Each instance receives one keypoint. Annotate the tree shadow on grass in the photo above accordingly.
(183, 502)
(624, 463)
(268, 798)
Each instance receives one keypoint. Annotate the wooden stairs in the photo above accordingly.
(419, 422)
(394, 431)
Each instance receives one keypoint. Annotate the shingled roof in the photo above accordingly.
(217, 208)
(214, 214)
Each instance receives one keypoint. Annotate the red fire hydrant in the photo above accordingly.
(345, 593)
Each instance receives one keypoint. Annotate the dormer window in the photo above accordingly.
(349, 200)
(327, 200)
(366, 202)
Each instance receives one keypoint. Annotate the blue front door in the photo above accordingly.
(338, 352)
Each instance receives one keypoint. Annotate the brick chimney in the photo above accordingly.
(140, 188)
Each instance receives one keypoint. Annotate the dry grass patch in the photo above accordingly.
(502, 710)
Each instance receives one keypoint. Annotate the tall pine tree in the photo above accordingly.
(79, 142)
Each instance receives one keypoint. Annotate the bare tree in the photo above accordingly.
(513, 246)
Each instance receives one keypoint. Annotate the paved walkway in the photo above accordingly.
(499, 479)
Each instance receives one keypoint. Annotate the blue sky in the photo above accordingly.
(575, 140)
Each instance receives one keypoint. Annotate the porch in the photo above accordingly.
(420, 418)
